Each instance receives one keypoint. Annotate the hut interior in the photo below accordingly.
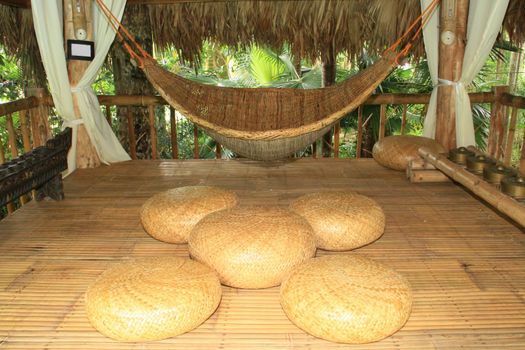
(453, 219)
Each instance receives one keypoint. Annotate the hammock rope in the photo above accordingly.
(267, 123)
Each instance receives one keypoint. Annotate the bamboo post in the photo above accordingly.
(382, 121)
(2, 153)
(522, 158)
(25, 130)
(11, 136)
(131, 133)
(337, 131)
(314, 150)
(359, 144)
(108, 114)
(404, 119)
(78, 24)
(195, 142)
(453, 27)
(174, 141)
(218, 151)
(484, 190)
(510, 136)
(40, 129)
(496, 130)
(152, 131)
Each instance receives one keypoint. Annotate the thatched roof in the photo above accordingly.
(312, 28)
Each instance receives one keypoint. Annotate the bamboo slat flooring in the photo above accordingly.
(466, 263)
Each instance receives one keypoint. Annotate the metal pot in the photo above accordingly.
(497, 172)
(459, 155)
(476, 164)
(514, 186)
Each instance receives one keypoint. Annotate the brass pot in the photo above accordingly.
(476, 164)
(514, 186)
(497, 172)
(459, 155)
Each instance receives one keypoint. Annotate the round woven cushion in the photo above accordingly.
(341, 220)
(253, 246)
(346, 299)
(152, 299)
(170, 216)
(395, 152)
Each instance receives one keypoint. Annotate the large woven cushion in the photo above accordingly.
(346, 298)
(395, 152)
(152, 298)
(341, 220)
(252, 246)
(170, 216)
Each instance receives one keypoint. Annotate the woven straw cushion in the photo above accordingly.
(341, 220)
(253, 246)
(170, 216)
(395, 152)
(346, 298)
(152, 299)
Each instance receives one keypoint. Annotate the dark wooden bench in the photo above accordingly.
(40, 170)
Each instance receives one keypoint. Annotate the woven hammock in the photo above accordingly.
(266, 123)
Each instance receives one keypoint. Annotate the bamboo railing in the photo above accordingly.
(32, 129)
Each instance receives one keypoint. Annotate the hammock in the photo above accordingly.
(266, 123)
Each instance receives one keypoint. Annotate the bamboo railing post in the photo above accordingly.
(359, 144)
(218, 151)
(522, 158)
(314, 150)
(108, 115)
(404, 119)
(337, 131)
(25, 130)
(152, 131)
(131, 133)
(39, 118)
(11, 136)
(174, 141)
(195, 142)
(510, 136)
(382, 121)
(496, 122)
(484, 190)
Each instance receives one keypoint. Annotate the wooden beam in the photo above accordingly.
(26, 4)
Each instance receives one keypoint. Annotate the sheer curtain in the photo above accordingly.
(48, 22)
(484, 23)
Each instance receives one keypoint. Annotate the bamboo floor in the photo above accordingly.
(466, 264)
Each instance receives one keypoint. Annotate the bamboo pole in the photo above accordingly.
(78, 18)
(25, 130)
(314, 150)
(510, 136)
(174, 142)
(337, 131)
(40, 129)
(218, 151)
(152, 131)
(522, 158)
(11, 136)
(484, 190)
(496, 130)
(131, 133)
(2, 153)
(453, 28)
(108, 115)
(358, 148)
(382, 121)
(404, 119)
(195, 142)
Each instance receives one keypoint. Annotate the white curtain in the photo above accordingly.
(484, 23)
(48, 21)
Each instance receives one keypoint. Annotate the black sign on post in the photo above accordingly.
(80, 50)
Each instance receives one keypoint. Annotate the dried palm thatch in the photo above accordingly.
(312, 28)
